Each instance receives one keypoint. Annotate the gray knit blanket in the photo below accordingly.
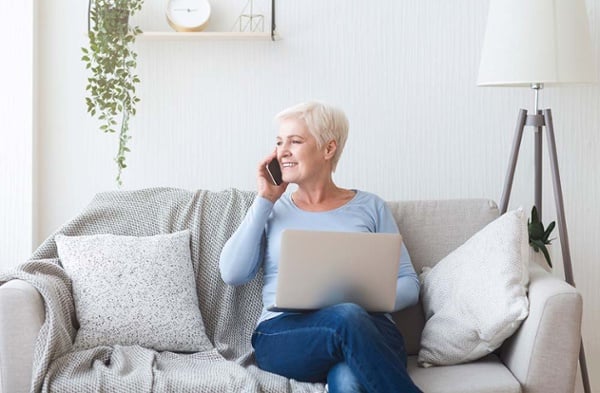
(229, 313)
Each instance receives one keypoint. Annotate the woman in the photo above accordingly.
(342, 345)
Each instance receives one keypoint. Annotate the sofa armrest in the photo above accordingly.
(543, 353)
(21, 317)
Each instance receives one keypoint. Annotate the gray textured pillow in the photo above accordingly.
(134, 291)
(476, 297)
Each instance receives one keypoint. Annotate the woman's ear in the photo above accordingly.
(330, 149)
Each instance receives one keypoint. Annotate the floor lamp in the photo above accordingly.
(537, 43)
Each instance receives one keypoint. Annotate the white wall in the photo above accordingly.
(404, 72)
(16, 131)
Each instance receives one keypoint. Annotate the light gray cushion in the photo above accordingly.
(476, 296)
(431, 230)
(134, 291)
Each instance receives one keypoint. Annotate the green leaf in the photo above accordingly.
(536, 230)
(535, 244)
(548, 231)
(534, 215)
(546, 255)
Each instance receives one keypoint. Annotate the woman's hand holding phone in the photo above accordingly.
(269, 173)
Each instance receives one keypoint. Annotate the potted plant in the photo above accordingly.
(539, 237)
(111, 95)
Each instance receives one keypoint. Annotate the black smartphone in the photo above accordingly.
(275, 171)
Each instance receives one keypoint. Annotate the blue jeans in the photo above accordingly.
(343, 345)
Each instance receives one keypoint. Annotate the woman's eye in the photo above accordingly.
(278, 143)
(296, 141)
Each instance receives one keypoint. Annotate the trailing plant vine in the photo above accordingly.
(111, 93)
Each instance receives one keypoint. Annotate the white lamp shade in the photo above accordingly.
(536, 41)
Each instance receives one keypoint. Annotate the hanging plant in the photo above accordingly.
(111, 95)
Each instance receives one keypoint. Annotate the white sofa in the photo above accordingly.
(541, 357)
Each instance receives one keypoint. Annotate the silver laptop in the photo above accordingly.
(319, 269)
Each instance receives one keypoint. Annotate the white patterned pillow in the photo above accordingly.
(476, 297)
(134, 291)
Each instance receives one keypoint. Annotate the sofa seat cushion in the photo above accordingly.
(487, 375)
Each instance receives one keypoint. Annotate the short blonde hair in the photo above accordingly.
(324, 122)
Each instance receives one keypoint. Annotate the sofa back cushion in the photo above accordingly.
(431, 230)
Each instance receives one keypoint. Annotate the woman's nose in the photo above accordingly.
(283, 150)
(282, 154)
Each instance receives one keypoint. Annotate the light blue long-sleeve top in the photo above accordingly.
(244, 253)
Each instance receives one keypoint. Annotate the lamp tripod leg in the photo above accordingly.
(584, 372)
(562, 230)
(558, 198)
(537, 141)
(512, 164)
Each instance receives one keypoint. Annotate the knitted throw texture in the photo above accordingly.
(229, 313)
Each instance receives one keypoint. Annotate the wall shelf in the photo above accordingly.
(206, 35)
(213, 35)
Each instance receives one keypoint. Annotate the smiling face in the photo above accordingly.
(328, 124)
(299, 155)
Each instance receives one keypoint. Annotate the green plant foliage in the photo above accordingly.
(539, 237)
(111, 94)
